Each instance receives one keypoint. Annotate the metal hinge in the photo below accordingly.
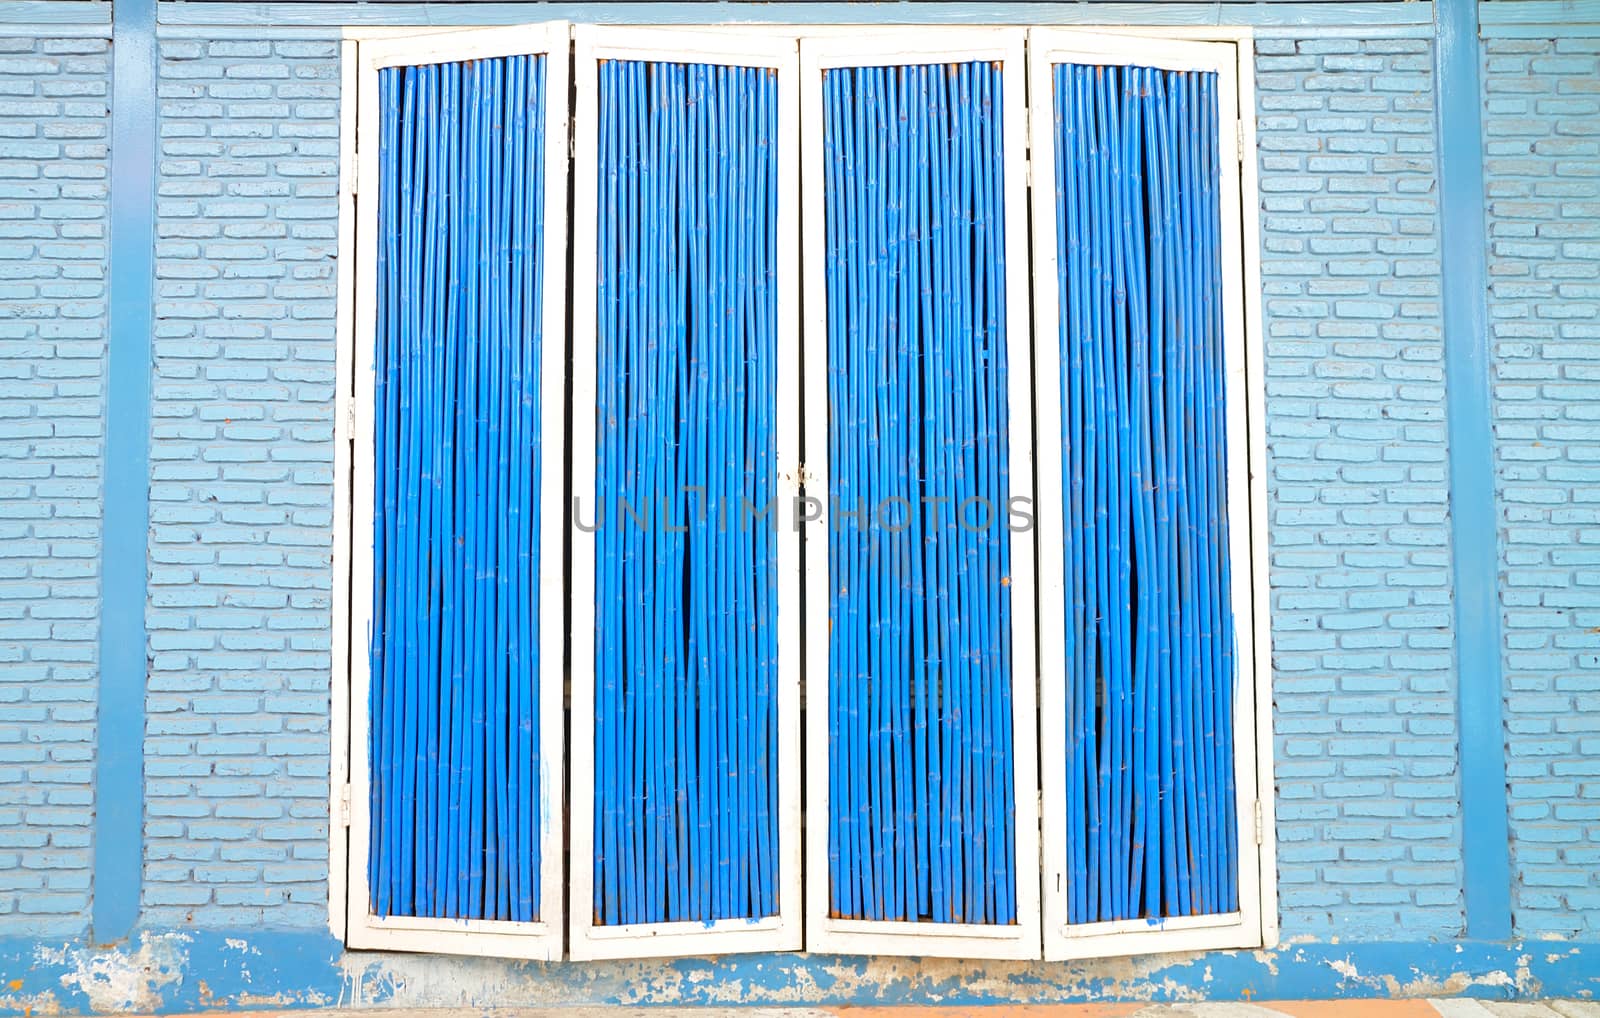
(350, 420)
(1261, 836)
(1238, 139)
(344, 806)
(355, 174)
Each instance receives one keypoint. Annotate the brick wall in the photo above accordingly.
(1542, 136)
(237, 747)
(53, 130)
(1369, 839)
(1368, 828)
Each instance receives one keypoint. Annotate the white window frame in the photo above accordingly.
(363, 52)
(819, 53)
(782, 932)
(354, 425)
(1228, 53)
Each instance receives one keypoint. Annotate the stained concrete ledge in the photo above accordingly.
(248, 971)
(1454, 1008)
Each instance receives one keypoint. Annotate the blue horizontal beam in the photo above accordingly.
(1308, 15)
(1495, 16)
(55, 12)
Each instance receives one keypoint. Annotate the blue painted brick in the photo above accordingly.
(53, 174)
(241, 470)
(1349, 248)
(1543, 196)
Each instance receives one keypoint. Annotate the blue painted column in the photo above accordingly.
(1486, 847)
(119, 756)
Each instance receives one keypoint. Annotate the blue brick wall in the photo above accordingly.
(242, 452)
(1361, 613)
(241, 498)
(1364, 688)
(1542, 137)
(53, 129)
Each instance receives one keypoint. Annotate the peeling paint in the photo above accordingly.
(278, 970)
(117, 979)
(32, 1005)
(1269, 959)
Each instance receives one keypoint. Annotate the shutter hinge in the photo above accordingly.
(344, 806)
(350, 420)
(355, 173)
(1261, 836)
(1238, 139)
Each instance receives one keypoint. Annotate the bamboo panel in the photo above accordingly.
(1151, 824)
(921, 823)
(686, 669)
(456, 813)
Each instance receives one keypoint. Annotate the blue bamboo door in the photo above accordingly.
(920, 669)
(685, 680)
(457, 529)
(1144, 520)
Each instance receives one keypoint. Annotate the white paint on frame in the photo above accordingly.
(782, 932)
(541, 939)
(1228, 59)
(819, 53)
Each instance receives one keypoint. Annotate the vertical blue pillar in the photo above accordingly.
(1486, 848)
(119, 756)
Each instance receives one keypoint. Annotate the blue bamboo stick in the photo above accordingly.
(1118, 809)
(679, 862)
(1182, 429)
(772, 149)
(515, 443)
(943, 479)
(1100, 611)
(1067, 448)
(851, 595)
(603, 903)
(380, 657)
(493, 340)
(421, 873)
(1005, 883)
(840, 872)
(660, 541)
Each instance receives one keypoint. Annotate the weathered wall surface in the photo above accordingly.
(1363, 671)
(241, 484)
(54, 94)
(1542, 166)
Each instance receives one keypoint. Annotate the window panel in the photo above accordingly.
(921, 678)
(456, 699)
(1145, 583)
(684, 703)
(692, 503)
